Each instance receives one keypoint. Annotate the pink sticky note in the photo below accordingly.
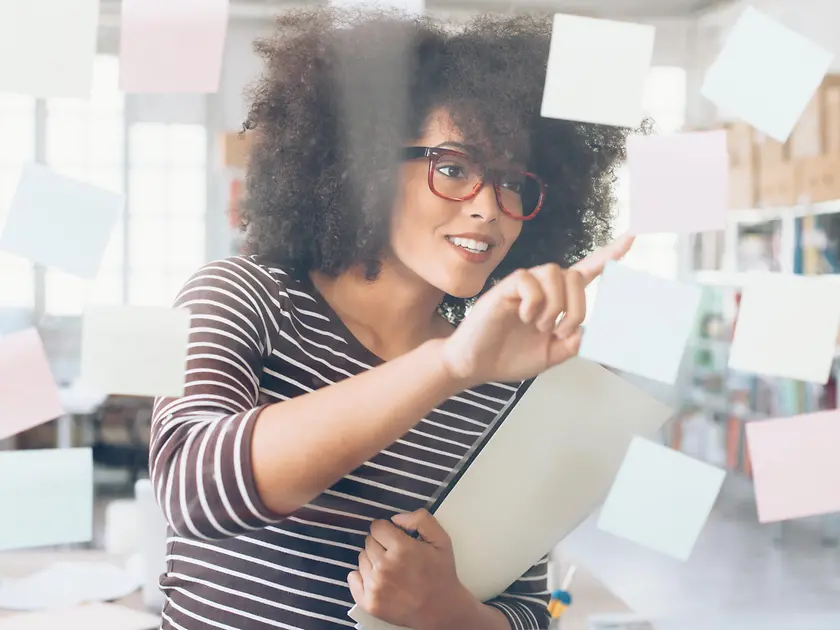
(172, 45)
(795, 465)
(678, 183)
(28, 394)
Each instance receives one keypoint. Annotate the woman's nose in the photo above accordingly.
(484, 206)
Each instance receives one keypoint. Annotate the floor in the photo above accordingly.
(740, 576)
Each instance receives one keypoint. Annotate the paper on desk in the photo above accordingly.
(661, 498)
(135, 350)
(62, 222)
(28, 393)
(566, 427)
(678, 183)
(172, 45)
(640, 323)
(409, 6)
(65, 584)
(47, 497)
(597, 70)
(795, 465)
(766, 74)
(47, 47)
(787, 326)
(87, 617)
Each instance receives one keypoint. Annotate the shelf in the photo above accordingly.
(762, 215)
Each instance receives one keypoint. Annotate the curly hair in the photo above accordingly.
(342, 92)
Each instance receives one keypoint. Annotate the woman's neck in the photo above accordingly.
(391, 315)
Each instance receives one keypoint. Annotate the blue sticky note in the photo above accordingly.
(60, 222)
(661, 498)
(46, 497)
(640, 323)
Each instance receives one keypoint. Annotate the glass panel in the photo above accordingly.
(151, 289)
(147, 192)
(65, 293)
(188, 192)
(17, 138)
(187, 145)
(147, 144)
(185, 243)
(147, 243)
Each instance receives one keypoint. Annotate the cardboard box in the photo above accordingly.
(777, 185)
(740, 145)
(236, 147)
(831, 120)
(806, 139)
(770, 153)
(818, 178)
(743, 188)
(818, 129)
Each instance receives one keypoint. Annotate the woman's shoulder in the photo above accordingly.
(248, 273)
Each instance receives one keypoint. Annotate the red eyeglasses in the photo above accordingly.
(456, 177)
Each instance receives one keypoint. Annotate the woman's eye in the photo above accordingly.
(451, 170)
(512, 185)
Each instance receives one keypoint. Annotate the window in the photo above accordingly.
(665, 103)
(167, 207)
(85, 140)
(17, 147)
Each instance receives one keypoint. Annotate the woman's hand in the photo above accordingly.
(512, 333)
(406, 581)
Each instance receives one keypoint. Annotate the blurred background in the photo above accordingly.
(180, 162)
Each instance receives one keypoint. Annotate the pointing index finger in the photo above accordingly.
(592, 266)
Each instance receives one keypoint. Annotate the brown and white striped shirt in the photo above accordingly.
(260, 335)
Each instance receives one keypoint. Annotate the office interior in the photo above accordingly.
(176, 159)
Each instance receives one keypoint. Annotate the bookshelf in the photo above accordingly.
(716, 403)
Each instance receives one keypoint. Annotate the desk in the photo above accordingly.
(19, 564)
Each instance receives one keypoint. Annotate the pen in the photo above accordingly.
(561, 599)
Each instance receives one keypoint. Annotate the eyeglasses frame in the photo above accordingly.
(434, 154)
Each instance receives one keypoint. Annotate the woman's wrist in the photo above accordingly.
(455, 381)
(459, 611)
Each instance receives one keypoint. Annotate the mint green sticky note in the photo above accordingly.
(46, 497)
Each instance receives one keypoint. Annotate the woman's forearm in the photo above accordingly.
(304, 445)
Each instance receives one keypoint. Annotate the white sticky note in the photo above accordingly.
(597, 70)
(87, 617)
(47, 47)
(661, 498)
(135, 350)
(47, 497)
(678, 183)
(172, 45)
(60, 222)
(409, 6)
(787, 326)
(766, 74)
(640, 323)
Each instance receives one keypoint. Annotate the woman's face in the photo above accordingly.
(454, 246)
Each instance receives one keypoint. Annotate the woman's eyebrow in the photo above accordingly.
(458, 146)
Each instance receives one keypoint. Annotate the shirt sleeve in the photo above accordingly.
(200, 450)
(525, 602)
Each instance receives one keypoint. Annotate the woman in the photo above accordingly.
(371, 213)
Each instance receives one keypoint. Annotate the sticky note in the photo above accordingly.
(409, 6)
(795, 467)
(172, 45)
(47, 47)
(661, 498)
(678, 183)
(787, 326)
(47, 497)
(86, 617)
(28, 393)
(766, 74)
(640, 323)
(60, 222)
(597, 70)
(135, 350)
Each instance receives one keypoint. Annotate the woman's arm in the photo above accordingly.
(220, 464)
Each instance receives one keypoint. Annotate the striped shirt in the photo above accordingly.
(260, 335)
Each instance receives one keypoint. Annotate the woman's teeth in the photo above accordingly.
(477, 247)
